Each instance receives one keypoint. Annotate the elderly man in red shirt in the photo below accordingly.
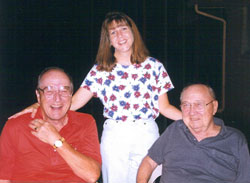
(57, 145)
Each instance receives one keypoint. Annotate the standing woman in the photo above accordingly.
(133, 89)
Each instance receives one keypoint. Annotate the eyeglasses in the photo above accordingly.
(49, 91)
(198, 106)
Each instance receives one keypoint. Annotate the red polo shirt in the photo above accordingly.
(24, 157)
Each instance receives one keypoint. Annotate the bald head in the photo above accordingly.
(57, 69)
(206, 88)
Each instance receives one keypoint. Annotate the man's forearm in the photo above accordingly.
(5, 181)
(145, 170)
(83, 166)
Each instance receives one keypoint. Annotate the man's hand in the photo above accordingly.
(32, 109)
(44, 131)
(82, 165)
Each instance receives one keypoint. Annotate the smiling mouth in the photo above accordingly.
(122, 42)
(195, 119)
(56, 107)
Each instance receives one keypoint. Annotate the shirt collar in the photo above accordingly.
(217, 121)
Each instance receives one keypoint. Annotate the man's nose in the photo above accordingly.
(192, 109)
(57, 96)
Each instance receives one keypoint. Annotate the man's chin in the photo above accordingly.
(196, 128)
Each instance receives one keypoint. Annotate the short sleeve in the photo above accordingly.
(93, 81)
(156, 152)
(243, 175)
(163, 79)
(87, 141)
(7, 153)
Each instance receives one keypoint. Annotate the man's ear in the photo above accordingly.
(38, 96)
(215, 106)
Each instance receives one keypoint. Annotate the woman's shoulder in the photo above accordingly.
(150, 59)
(95, 71)
(153, 62)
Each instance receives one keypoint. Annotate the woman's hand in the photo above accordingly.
(32, 109)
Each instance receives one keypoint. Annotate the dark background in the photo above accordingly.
(35, 34)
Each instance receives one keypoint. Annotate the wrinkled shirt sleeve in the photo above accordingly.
(243, 175)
